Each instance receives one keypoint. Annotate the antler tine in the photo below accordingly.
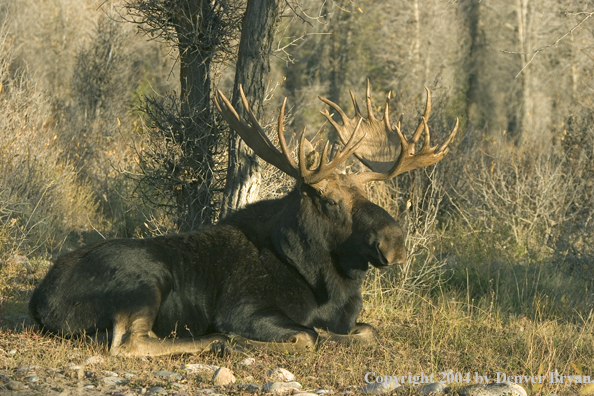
(254, 135)
(387, 112)
(409, 159)
(351, 146)
(444, 147)
(325, 169)
(303, 171)
(355, 104)
(370, 114)
(420, 128)
(344, 131)
(335, 107)
(281, 135)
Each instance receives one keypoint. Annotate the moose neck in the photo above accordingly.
(311, 243)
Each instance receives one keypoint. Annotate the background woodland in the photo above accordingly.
(100, 136)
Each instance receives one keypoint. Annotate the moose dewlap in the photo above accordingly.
(280, 274)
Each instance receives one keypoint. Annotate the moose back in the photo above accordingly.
(281, 274)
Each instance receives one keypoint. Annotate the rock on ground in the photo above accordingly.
(168, 375)
(280, 387)
(433, 389)
(248, 362)
(494, 389)
(198, 368)
(223, 376)
(280, 374)
(378, 388)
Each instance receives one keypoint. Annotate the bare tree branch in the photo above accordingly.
(553, 44)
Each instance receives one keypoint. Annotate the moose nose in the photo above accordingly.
(391, 250)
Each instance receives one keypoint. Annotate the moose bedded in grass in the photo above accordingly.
(280, 274)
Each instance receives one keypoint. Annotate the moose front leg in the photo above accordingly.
(272, 332)
(362, 334)
(298, 342)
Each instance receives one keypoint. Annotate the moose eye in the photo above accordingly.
(331, 202)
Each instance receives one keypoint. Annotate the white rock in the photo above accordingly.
(223, 376)
(435, 388)
(28, 368)
(24, 261)
(378, 388)
(113, 381)
(168, 375)
(94, 359)
(158, 390)
(280, 374)
(494, 389)
(281, 387)
(248, 362)
(198, 368)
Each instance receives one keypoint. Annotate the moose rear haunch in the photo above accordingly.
(280, 274)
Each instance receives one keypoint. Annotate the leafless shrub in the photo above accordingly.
(175, 168)
(102, 81)
(190, 26)
(523, 197)
(574, 250)
(418, 198)
(41, 198)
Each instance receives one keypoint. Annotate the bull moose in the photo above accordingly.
(280, 274)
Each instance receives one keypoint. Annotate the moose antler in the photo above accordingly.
(254, 136)
(387, 152)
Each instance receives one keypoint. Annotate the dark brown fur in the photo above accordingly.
(278, 275)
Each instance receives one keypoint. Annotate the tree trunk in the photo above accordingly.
(415, 55)
(252, 72)
(339, 61)
(194, 198)
(474, 109)
(339, 53)
(524, 11)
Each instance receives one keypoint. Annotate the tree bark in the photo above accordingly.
(195, 29)
(524, 11)
(474, 110)
(252, 72)
(339, 55)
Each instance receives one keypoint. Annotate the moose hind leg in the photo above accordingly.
(138, 339)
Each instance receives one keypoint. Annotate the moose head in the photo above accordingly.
(333, 205)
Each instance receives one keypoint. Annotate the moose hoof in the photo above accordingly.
(303, 341)
(365, 333)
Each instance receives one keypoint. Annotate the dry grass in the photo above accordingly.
(428, 334)
(500, 272)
